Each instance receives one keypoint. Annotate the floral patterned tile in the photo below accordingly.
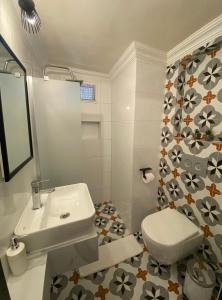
(139, 277)
(109, 224)
(191, 169)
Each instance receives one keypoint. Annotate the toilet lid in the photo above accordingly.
(169, 227)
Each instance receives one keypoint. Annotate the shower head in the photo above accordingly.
(5, 68)
(7, 62)
(75, 80)
(66, 69)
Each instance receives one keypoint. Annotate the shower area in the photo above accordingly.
(58, 128)
(72, 134)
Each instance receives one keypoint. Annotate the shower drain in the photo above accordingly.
(65, 215)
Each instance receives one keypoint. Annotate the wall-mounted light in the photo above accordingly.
(29, 16)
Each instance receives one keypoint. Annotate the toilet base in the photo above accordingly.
(168, 255)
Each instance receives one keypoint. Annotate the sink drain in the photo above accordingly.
(65, 215)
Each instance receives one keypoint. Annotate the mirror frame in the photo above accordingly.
(7, 175)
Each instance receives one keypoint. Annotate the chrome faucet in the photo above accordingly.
(36, 188)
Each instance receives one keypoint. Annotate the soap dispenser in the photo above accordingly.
(16, 256)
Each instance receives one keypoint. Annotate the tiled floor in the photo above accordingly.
(140, 277)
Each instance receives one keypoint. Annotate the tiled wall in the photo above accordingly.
(123, 87)
(148, 97)
(191, 170)
(96, 153)
(137, 88)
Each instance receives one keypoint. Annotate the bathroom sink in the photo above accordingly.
(66, 215)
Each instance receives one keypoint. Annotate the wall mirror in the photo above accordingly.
(198, 109)
(15, 130)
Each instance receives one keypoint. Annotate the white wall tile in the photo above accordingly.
(125, 112)
(150, 76)
(106, 193)
(90, 108)
(105, 110)
(106, 164)
(137, 95)
(96, 194)
(105, 91)
(106, 178)
(105, 130)
(91, 148)
(148, 115)
(106, 147)
(97, 151)
(92, 172)
(148, 108)
(147, 134)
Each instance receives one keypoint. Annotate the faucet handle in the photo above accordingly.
(41, 183)
(44, 181)
(35, 184)
(38, 183)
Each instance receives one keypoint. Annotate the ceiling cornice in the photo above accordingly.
(87, 73)
(137, 51)
(205, 34)
(128, 56)
(146, 53)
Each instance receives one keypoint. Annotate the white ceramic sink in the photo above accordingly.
(66, 214)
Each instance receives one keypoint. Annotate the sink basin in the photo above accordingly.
(67, 214)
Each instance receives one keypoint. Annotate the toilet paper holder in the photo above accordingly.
(144, 170)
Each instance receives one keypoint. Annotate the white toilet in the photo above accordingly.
(170, 236)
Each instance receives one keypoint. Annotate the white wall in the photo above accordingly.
(14, 194)
(123, 108)
(148, 117)
(96, 168)
(137, 91)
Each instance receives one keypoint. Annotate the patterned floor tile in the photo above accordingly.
(139, 277)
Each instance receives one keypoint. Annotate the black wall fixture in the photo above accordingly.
(9, 114)
(4, 293)
(29, 16)
(144, 170)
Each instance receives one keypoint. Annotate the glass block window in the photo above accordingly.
(88, 92)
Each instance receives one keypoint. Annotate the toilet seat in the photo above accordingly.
(169, 227)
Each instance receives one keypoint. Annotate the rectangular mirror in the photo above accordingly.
(15, 130)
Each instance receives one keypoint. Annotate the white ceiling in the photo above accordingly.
(92, 34)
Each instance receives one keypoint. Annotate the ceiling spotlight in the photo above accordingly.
(29, 16)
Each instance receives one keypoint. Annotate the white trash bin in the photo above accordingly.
(199, 281)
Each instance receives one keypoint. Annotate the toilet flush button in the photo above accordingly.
(187, 163)
(197, 166)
